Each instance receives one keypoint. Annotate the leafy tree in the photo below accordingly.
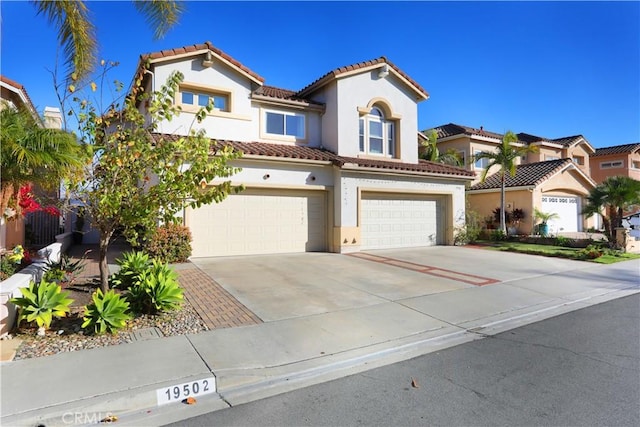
(505, 159)
(615, 195)
(76, 32)
(139, 178)
(33, 154)
(432, 153)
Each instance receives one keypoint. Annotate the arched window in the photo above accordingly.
(377, 134)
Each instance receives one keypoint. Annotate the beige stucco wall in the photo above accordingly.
(485, 203)
(580, 150)
(627, 169)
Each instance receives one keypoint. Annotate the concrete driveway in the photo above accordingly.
(277, 287)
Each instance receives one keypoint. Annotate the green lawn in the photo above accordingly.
(609, 257)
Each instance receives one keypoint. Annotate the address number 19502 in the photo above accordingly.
(179, 392)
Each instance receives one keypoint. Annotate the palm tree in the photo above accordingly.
(505, 158)
(432, 153)
(616, 194)
(76, 32)
(32, 154)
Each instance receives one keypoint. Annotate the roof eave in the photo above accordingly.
(352, 167)
(493, 190)
(143, 58)
(302, 105)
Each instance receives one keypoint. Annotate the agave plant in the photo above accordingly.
(107, 313)
(42, 302)
(132, 265)
(157, 290)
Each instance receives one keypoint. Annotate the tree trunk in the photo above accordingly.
(503, 220)
(105, 238)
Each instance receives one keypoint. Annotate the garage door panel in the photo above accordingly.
(395, 221)
(260, 222)
(568, 208)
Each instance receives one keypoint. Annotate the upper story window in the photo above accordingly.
(611, 165)
(481, 163)
(285, 124)
(377, 134)
(195, 98)
(551, 157)
(578, 160)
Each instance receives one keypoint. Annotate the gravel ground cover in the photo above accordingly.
(66, 335)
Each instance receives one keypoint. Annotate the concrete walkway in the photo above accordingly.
(378, 325)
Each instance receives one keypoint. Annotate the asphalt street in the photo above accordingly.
(581, 368)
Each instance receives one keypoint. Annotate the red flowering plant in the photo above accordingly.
(27, 203)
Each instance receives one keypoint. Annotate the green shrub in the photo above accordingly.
(42, 302)
(591, 252)
(132, 265)
(54, 275)
(563, 241)
(170, 243)
(471, 230)
(157, 290)
(107, 313)
(7, 267)
(498, 235)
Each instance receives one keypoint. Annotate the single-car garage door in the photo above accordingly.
(260, 222)
(398, 221)
(568, 209)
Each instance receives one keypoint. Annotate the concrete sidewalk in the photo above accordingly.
(261, 360)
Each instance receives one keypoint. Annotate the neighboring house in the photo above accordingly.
(553, 186)
(331, 167)
(12, 233)
(554, 179)
(13, 95)
(619, 160)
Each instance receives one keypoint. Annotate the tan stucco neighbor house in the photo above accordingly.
(552, 186)
(332, 166)
(553, 179)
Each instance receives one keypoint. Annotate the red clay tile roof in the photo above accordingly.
(309, 153)
(452, 129)
(341, 70)
(617, 149)
(19, 87)
(194, 48)
(279, 93)
(423, 166)
(530, 174)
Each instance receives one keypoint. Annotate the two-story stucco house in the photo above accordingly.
(330, 167)
(555, 178)
(618, 160)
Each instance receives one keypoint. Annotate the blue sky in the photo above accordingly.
(551, 69)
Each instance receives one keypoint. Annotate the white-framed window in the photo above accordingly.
(611, 165)
(635, 164)
(480, 163)
(377, 135)
(578, 160)
(201, 99)
(551, 157)
(285, 124)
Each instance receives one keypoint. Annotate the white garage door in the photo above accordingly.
(395, 221)
(260, 222)
(568, 208)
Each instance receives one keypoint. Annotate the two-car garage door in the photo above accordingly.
(400, 221)
(260, 222)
